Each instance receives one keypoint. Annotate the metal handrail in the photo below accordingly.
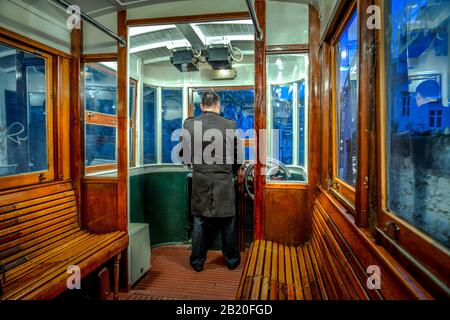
(251, 10)
(120, 39)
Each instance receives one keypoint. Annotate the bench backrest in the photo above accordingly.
(33, 218)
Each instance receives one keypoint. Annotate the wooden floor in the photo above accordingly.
(171, 277)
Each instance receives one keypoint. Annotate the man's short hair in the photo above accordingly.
(210, 99)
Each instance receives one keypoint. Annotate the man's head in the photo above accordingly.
(428, 91)
(210, 102)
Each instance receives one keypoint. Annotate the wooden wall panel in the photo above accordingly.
(122, 124)
(287, 219)
(62, 113)
(314, 141)
(396, 283)
(260, 122)
(76, 115)
(100, 207)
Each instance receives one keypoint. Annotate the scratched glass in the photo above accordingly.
(172, 116)
(23, 136)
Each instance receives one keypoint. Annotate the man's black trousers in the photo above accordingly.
(204, 233)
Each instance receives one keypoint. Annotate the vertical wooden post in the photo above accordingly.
(76, 115)
(122, 125)
(260, 122)
(314, 111)
(116, 276)
(366, 119)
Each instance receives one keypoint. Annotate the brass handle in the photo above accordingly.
(334, 185)
(391, 229)
(90, 114)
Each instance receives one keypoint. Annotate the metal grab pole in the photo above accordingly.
(251, 10)
(122, 41)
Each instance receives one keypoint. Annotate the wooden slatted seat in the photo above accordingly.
(40, 237)
(324, 268)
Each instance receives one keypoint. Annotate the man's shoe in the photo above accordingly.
(197, 268)
(232, 267)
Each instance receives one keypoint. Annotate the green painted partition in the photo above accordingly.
(160, 199)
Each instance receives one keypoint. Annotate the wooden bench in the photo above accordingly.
(40, 237)
(321, 269)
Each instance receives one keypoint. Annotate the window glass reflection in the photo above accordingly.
(418, 69)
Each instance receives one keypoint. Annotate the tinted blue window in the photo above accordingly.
(23, 143)
(172, 115)
(418, 123)
(347, 101)
(100, 145)
(282, 115)
(149, 119)
(236, 105)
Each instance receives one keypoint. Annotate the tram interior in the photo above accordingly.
(350, 177)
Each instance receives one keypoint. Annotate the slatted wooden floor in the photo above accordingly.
(171, 277)
(277, 272)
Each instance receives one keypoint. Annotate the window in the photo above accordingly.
(132, 111)
(172, 116)
(418, 147)
(287, 112)
(149, 119)
(25, 117)
(237, 104)
(100, 98)
(346, 102)
(282, 117)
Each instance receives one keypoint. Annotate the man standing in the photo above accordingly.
(209, 146)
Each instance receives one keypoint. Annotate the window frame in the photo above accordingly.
(108, 120)
(133, 124)
(290, 50)
(344, 192)
(157, 121)
(397, 235)
(44, 176)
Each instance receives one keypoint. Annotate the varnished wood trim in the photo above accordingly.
(326, 114)
(366, 101)
(347, 191)
(396, 280)
(260, 124)
(291, 48)
(33, 43)
(100, 168)
(122, 125)
(100, 180)
(340, 13)
(76, 115)
(190, 19)
(314, 112)
(288, 186)
(51, 76)
(99, 57)
(101, 119)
